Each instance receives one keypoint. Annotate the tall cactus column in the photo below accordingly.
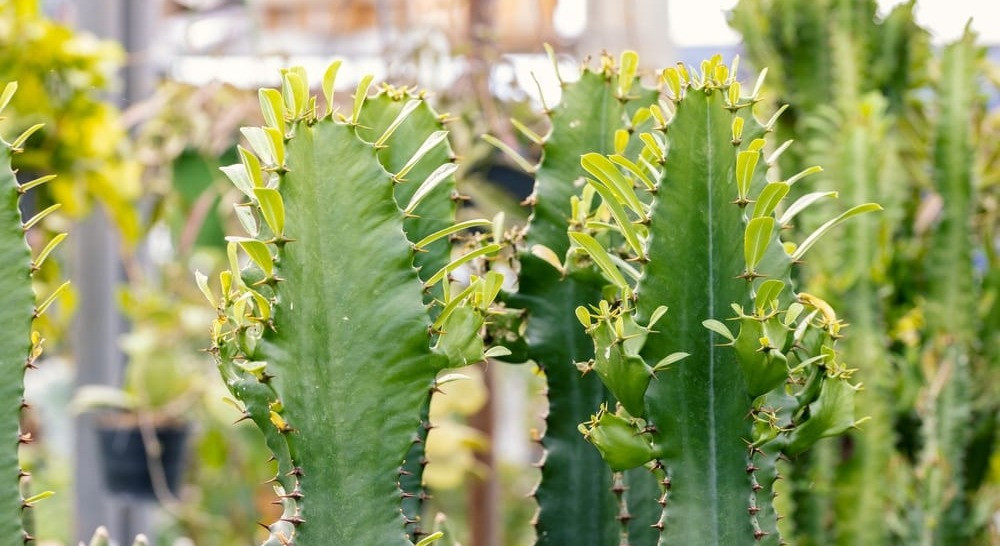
(575, 498)
(944, 504)
(21, 346)
(324, 335)
(707, 409)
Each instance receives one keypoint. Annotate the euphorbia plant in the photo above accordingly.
(741, 369)
(21, 345)
(325, 335)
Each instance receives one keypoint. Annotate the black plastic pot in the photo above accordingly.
(126, 467)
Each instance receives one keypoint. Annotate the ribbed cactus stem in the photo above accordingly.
(709, 409)
(21, 346)
(945, 402)
(324, 334)
(575, 500)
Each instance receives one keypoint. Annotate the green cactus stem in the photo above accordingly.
(323, 334)
(709, 410)
(946, 403)
(21, 346)
(576, 504)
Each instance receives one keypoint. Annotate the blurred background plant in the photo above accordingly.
(899, 122)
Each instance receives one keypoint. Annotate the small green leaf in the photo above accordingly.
(601, 258)
(252, 166)
(257, 251)
(718, 328)
(656, 315)
(273, 108)
(733, 93)
(427, 540)
(259, 143)
(769, 197)
(668, 360)
(634, 169)
(42, 307)
(237, 173)
(755, 240)
(433, 140)
(773, 158)
(767, 293)
(292, 93)
(511, 153)
(737, 128)
(454, 264)
(624, 224)
(7, 94)
(41, 216)
(451, 229)
(244, 213)
(673, 81)
(605, 171)
(805, 172)
(802, 203)
(527, 132)
(41, 496)
(404, 113)
(548, 256)
(497, 352)
(277, 139)
(755, 95)
(626, 74)
(434, 180)
(359, 97)
(46, 250)
(746, 162)
(202, 280)
(793, 312)
(31, 184)
(583, 315)
(822, 230)
(272, 208)
(640, 117)
(329, 84)
(774, 119)
(23, 137)
(654, 146)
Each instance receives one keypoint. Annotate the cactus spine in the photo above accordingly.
(576, 501)
(691, 222)
(21, 346)
(324, 336)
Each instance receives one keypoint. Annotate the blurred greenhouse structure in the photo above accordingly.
(131, 426)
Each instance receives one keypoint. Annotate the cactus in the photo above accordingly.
(576, 501)
(691, 222)
(944, 504)
(324, 336)
(21, 346)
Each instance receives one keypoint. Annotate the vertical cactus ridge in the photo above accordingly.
(21, 346)
(709, 409)
(329, 271)
(576, 504)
